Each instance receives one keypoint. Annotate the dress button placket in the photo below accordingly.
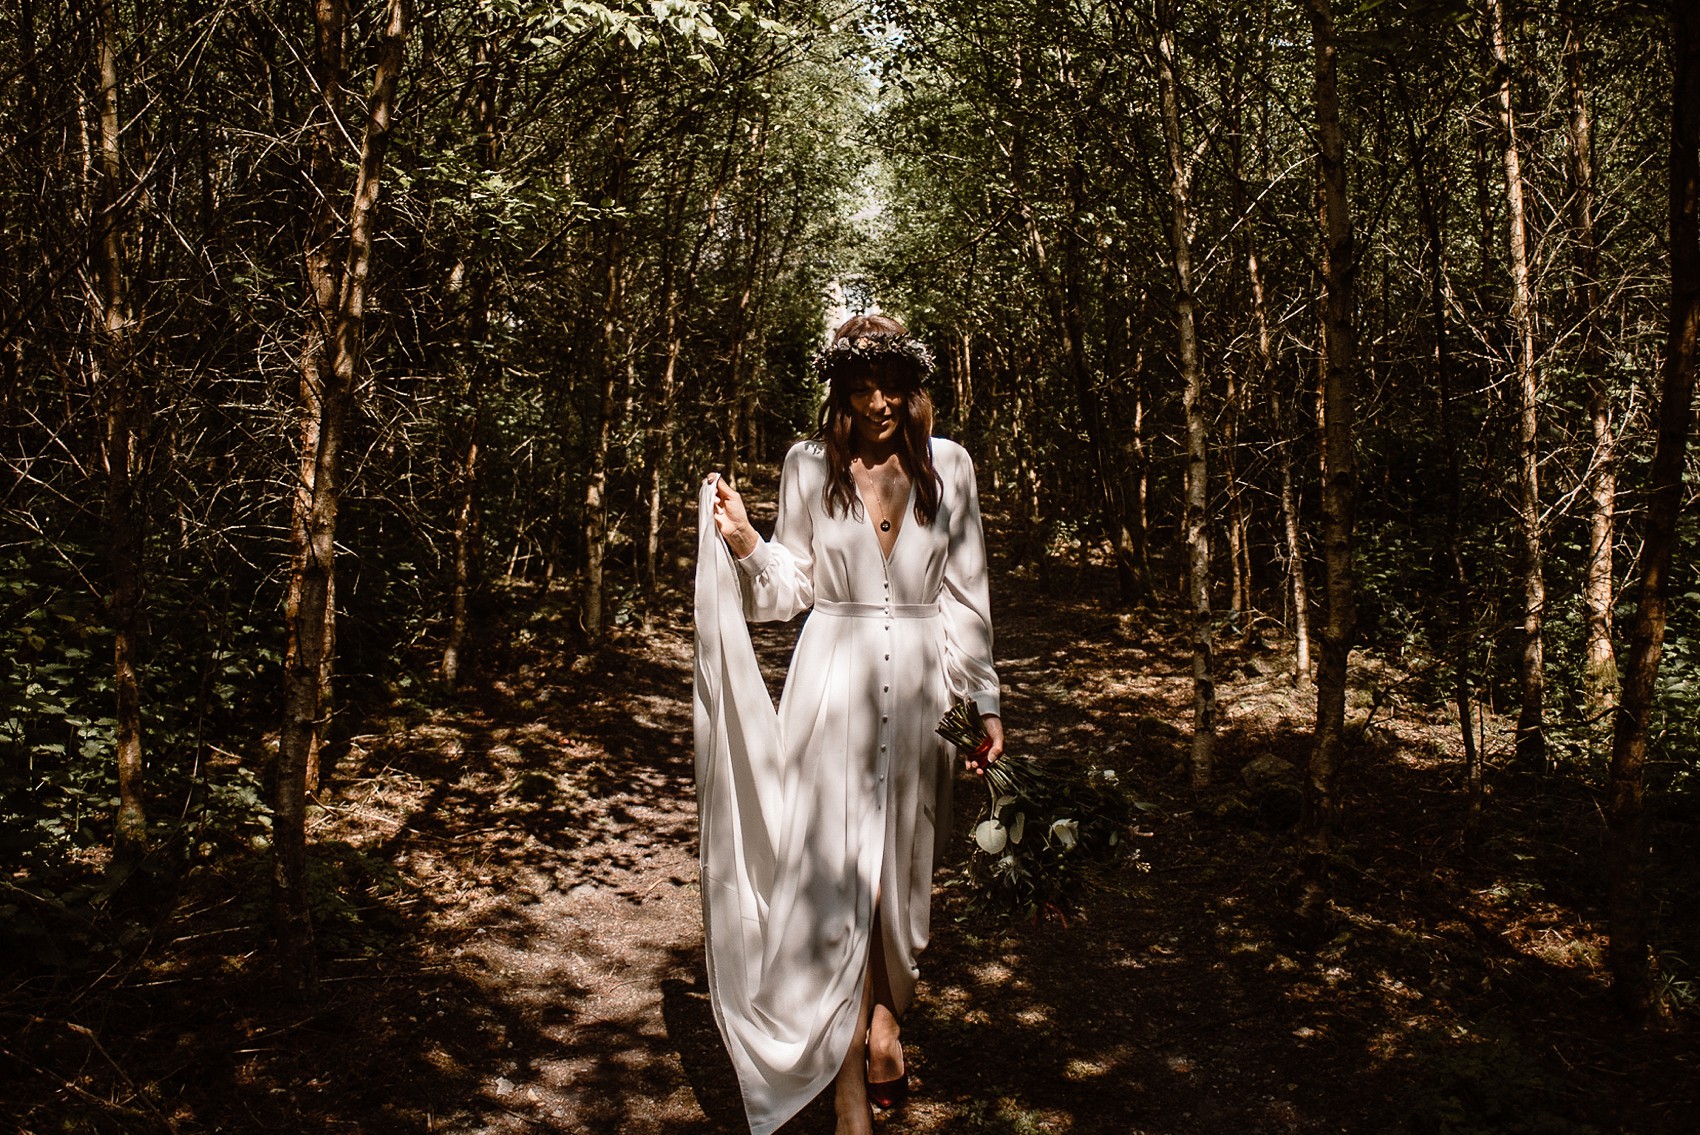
(885, 689)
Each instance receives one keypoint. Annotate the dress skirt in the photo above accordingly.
(837, 801)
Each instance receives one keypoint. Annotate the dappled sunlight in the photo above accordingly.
(517, 945)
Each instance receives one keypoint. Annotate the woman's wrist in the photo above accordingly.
(743, 543)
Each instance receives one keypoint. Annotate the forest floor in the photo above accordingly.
(517, 945)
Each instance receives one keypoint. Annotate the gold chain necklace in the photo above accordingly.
(873, 486)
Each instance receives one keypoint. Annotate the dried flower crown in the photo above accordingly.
(871, 348)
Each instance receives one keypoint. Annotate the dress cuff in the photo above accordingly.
(758, 560)
(986, 701)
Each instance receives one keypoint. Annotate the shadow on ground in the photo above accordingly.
(510, 922)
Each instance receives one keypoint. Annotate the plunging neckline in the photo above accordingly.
(898, 525)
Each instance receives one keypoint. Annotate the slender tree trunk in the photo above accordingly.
(1462, 648)
(1197, 428)
(658, 442)
(1284, 430)
(680, 286)
(1133, 586)
(965, 385)
(1531, 736)
(1129, 537)
(464, 555)
(1126, 412)
(1141, 518)
(1239, 390)
(116, 386)
(465, 551)
(596, 484)
(332, 350)
(1599, 662)
(1297, 587)
(742, 316)
(662, 451)
(1069, 313)
(15, 342)
(1339, 485)
(1239, 554)
(1631, 938)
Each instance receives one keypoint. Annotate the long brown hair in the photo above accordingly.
(897, 372)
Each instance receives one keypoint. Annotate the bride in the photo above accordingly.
(821, 823)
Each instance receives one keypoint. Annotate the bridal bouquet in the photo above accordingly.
(1044, 829)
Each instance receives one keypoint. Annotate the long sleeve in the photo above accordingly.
(966, 598)
(778, 577)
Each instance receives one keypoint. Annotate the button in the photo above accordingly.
(882, 749)
(884, 718)
(888, 658)
(885, 689)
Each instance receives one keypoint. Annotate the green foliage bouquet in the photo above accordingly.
(1043, 833)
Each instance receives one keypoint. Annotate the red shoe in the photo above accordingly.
(887, 1094)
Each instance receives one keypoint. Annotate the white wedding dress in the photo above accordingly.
(808, 813)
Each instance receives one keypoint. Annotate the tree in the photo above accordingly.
(1531, 736)
(1197, 430)
(1339, 364)
(1627, 903)
(118, 388)
(1599, 662)
(330, 357)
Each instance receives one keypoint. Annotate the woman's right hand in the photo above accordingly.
(731, 519)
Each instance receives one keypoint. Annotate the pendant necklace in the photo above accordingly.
(885, 525)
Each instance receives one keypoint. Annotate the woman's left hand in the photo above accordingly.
(993, 748)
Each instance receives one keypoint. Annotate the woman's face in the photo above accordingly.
(875, 409)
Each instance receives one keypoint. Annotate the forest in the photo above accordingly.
(1328, 369)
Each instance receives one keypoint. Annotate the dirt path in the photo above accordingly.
(553, 833)
(517, 943)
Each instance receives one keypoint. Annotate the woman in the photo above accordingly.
(821, 824)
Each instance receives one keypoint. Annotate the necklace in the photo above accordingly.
(873, 486)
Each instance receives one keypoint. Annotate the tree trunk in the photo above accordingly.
(1599, 661)
(1071, 304)
(1531, 736)
(1462, 646)
(1631, 939)
(1239, 390)
(1141, 462)
(678, 289)
(1197, 428)
(1298, 591)
(115, 386)
(1339, 485)
(1120, 373)
(591, 614)
(333, 344)
(742, 316)
(1125, 409)
(465, 553)
(465, 547)
(1239, 521)
(1285, 428)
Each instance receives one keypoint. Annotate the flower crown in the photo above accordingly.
(871, 348)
